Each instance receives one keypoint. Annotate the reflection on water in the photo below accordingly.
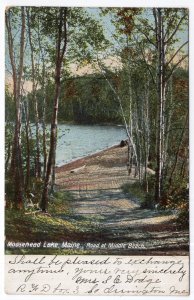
(76, 141)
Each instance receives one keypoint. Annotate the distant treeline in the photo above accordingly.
(84, 100)
(88, 99)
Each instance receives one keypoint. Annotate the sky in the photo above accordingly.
(106, 20)
(109, 29)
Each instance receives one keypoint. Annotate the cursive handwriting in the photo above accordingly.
(97, 275)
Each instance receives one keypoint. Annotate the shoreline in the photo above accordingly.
(61, 122)
(105, 169)
(79, 162)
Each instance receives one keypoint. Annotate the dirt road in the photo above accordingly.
(114, 217)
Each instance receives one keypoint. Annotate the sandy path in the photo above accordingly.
(95, 183)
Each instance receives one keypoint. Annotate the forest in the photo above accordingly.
(122, 66)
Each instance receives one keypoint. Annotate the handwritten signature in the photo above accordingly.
(95, 275)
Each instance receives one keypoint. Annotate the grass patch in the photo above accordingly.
(60, 202)
(133, 189)
(35, 227)
(136, 192)
(59, 225)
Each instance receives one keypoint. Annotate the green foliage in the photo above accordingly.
(9, 105)
(9, 192)
(134, 189)
(35, 227)
(178, 200)
(9, 131)
(137, 190)
(83, 43)
(58, 226)
(93, 105)
(148, 201)
(151, 183)
(183, 216)
(59, 202)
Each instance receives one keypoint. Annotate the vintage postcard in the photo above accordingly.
(97, 150)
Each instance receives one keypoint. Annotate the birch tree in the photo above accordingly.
(156, 34)
(34, 97)
(167, 23)
(73, 30)
(61, 44)
(17, 71)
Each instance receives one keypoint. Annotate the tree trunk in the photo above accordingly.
(146, 129)
(61, 37)
(177, 152)
(128, 131)
(37, 159)
(44, 137)
(160, 99)
(53, 177)
(16, 166)
(7, 158)
(27, 130)
(44, 75)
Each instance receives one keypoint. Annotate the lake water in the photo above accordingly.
(75, 141)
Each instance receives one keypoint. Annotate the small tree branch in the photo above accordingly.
(175, 30)
(147, 37)
(156, 24)
(11, 52)
(22, 45)
(176, 53)
(175, 66)
(121, 107)
(64, 34)
(149, 69)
